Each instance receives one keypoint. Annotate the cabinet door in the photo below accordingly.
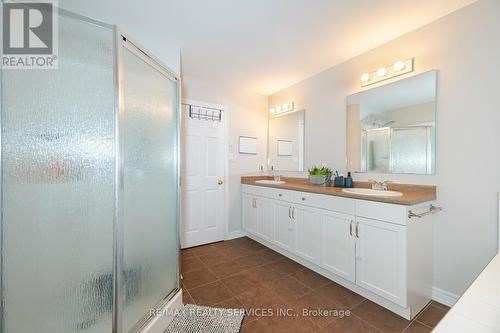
(264, 218)
(249, 213)
(308, 232)
(381, 259)
(283, 228)
(339, 251)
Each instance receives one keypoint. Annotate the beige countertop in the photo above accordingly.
(412, 194)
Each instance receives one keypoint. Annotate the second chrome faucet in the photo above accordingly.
(381, 186)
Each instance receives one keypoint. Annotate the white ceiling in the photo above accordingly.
(266, 45)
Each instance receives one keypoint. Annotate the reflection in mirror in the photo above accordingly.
(392, 128)
(286, 141)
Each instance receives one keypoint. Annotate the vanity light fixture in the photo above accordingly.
(280, 109)
(383, 73)
(399, 66)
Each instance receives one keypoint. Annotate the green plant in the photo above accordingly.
(323, 171)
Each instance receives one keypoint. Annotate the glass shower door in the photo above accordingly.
(377, 148)
(57, 179)
(411, 150)
(89, 195)
(150, 185)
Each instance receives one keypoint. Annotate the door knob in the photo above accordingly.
(220, 182)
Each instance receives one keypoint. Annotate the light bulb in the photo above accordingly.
(272, 110)
(399, 66)
(278, 108)
(365, 77)
(381, 72)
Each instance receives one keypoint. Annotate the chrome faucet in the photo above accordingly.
(380, 186)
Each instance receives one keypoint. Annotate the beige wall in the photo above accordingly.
(353, 137)
(412, 115)
(465, 47)
(247, 116)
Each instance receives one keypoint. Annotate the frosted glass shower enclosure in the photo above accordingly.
(89, 186)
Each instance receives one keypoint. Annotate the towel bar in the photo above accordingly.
(432, 210)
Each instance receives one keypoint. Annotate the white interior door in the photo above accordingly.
(202, 177)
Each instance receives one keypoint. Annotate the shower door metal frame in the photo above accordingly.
(122, 41)
(428, 152)
(364, 145)
(1, 188)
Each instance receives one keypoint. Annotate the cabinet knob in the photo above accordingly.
(303, 199)
(280, 194)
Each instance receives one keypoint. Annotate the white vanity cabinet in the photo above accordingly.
(381, 259)
(283, 225)
(265, 216)
(249, 212)
(308, 229)
(339, 244)
(258, 215)
(372, 248)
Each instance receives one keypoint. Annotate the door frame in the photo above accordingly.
(225, 137)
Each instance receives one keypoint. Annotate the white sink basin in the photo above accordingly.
(269, 182)
(367, 191)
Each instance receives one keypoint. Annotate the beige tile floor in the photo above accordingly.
(242, 273)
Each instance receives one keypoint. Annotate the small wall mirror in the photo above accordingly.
(286, 141)
(392, 128)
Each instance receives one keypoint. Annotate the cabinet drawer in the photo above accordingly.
(275, 193)
(382, 211)
(328, 202)
(249, 189)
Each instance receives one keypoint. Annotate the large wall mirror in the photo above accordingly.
(286, 141)
(392, 128)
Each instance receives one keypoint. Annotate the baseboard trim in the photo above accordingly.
(444, 297)
(235, 234)
(439, 295)
(397, 309)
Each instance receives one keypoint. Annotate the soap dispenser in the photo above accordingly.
(348, 180)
